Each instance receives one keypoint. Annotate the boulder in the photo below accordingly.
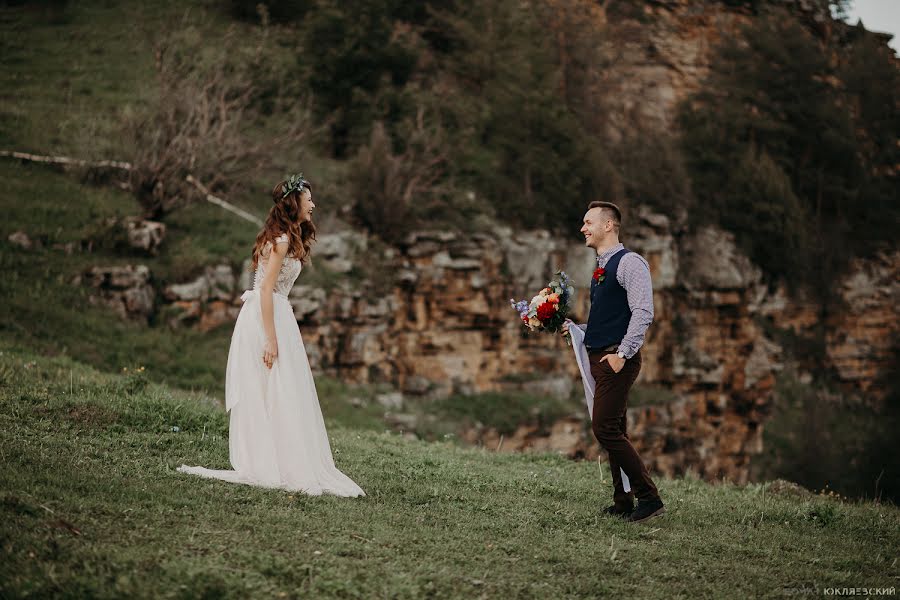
(529, 256)
(198, 289)
(306, 300)
(144, 235)
(651, 236)
(221, 282)
(125, 289)
(416, 385)
(560, 386)
(711, 260)
(21, 239)
(390, 400)
(762, 363)
(338, 252)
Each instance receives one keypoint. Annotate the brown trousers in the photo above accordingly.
(609, 423)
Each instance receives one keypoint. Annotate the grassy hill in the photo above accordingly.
(91, 506)
(70, 75)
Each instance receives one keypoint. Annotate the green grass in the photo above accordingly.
(45, 312)
(70, 74)
(91, 506)
(68, 77)
(503, 410)
(67, 74)
(55, 208)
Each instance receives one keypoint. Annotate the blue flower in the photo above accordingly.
(520, 307)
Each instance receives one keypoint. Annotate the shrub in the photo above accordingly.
(393, 189)
(775, 156)
(199, 124)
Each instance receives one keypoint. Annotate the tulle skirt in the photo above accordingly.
(277, 435)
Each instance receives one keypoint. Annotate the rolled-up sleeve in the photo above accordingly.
(634, 275)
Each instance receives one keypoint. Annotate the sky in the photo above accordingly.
(878, 15)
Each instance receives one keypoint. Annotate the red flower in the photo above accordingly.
(546, 310)
(525, 319)
(599, 274)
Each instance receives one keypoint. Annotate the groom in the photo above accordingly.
(621, 310)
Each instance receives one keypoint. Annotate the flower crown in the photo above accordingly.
(294, 183)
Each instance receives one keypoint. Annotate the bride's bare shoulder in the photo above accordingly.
(278, 245)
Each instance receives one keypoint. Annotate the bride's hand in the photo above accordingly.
(270, 353)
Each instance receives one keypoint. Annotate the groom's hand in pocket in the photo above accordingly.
(615, 361)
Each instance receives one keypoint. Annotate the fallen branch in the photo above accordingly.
(67, 161)
(222, 203)
(126, 166)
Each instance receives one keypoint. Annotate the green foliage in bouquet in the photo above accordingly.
(549, 309)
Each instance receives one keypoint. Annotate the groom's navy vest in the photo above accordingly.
(610, 313)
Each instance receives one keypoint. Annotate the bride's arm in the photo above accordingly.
(267, 288)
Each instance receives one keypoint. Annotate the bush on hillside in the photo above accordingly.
(273, 11)
(775, 155)
(514, 88)
(357, 55)
(516, 139)
(200, 124)
(652, 171)
(394, 189)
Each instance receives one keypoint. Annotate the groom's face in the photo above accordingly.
(594, 227)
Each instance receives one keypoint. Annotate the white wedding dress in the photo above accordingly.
(277, 436)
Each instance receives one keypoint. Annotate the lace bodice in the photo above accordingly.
(290, 269)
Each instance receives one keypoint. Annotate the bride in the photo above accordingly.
(277, 436)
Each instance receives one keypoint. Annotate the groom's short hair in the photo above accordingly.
(610, 210)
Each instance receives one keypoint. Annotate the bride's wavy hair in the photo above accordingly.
(284, 217)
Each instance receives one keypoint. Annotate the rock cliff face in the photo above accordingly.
(862, 343)
(437, 321)
(433, 318)
(661, 51)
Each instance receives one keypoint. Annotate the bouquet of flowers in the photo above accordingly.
(548, 310)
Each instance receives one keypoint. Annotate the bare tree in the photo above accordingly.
(204, 123)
